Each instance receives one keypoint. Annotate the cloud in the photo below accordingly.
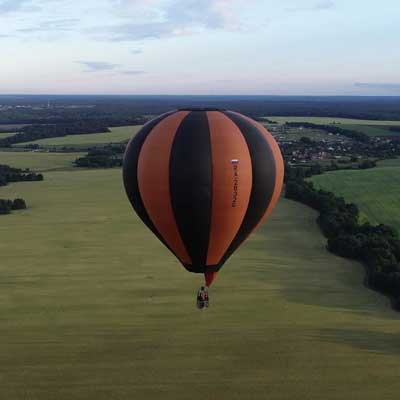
(52, 26)
(213, 14)
(9, 6)
(96, 66)
(176, 18)
(324, 5)
(132, 32)
(374, 85)
(135, 3)
(133, 72)
(99, 66)
(320, 6)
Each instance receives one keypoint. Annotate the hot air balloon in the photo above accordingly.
(203, 180)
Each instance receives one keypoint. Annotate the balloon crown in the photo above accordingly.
(201, 109)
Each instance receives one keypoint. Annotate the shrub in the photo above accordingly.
(18, 204)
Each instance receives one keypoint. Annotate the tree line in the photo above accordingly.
(6, 206)
(68, 111)
(123, 110)
(302, 172)
(102, 157)
(35, 132)
(10, 174)
(376, 246)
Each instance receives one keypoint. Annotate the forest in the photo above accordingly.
(102, 157)
(6, 206)
(10, 174)
(129, 110)
(35, 132)
(376, 246)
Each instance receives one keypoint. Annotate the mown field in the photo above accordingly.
(4, 135)
(328, 120)
(93, 307)
(38, 161)
(117, 135)
(376, 191)
(372, 130)
(10, 127)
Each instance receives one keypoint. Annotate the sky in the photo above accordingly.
(252, 47)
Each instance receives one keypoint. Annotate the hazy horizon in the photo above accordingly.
(194, 95)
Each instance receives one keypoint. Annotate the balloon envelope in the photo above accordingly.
(202, 180)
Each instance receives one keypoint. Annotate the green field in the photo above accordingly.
(329, 120)
(376, 191)
(39, 162)
(117, 135)
(93, 307)
(11, 127)
(369, 130)
(4, 135)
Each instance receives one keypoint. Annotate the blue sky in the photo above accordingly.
(315, 47)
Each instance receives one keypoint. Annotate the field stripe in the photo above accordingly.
(231, 167)
(264, 170)
(130, 177)
(190, 185)
(279, 165)
(153, 180)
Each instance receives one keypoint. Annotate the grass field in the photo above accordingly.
(328, 120)
(93, 307)
(4, 135)
(117, 135)
(376, 191)
(369, 130)
(11, 127)
(39, 162)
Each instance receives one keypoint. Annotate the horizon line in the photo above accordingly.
(195, 95)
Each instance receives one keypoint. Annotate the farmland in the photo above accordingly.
(375, 191)
(94, 307)
(117, 135)
(329, 120)
(371, 130)
(39, 162)
(11, 127)
(4, 135)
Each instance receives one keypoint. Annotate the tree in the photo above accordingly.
(345, 246)
(18, 204)
(5, 206)
(306, 140)
(377, 246)
(367, 164)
